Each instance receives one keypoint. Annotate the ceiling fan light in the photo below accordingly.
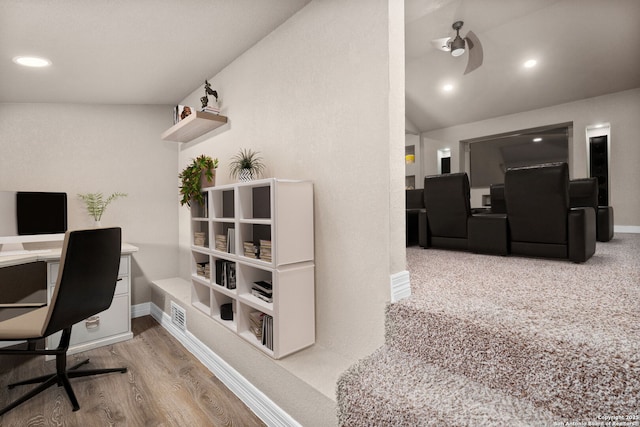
(457, 46)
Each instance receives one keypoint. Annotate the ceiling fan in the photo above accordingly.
(458, 46)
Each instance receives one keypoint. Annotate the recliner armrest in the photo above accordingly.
(424, 239)
(581, 234)
(605, 223)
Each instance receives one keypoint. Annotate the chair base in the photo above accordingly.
(60, 377)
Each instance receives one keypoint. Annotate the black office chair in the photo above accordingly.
(85, 287)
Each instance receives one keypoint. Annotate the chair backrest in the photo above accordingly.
(498, 204)
(414, 199)
(537, 199)
(583, 193)
(86, 278)
(447, 201)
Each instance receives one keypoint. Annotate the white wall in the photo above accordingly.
(96, 148)
(314, 99)
(620, 109)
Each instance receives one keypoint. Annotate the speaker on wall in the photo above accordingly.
(599, 166)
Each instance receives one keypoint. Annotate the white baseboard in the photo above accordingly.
(400, 286)
(626, 229)
(140, 310)
(270, 413)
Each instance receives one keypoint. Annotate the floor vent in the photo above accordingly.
(178, 316)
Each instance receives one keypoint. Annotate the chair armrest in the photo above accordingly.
(582, 234)
(23, 305)
(424, 239)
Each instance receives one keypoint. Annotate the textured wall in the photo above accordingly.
(90, 148)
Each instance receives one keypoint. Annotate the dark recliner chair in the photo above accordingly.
(414, 203)
(541, 222)
(498, 204)
(584, 193)
(446, 200)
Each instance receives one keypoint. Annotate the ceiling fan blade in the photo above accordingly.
(475, 52)
(442, 44)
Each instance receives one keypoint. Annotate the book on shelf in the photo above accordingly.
(267, 331)
(211, 109)
(231, 240)
(203, 269)
(221, 242)
(255, 323)
(262, 290)
(249, 250)
(265, 250)
(199, 238)
(261, 295)
(264, 286)
(226, 273)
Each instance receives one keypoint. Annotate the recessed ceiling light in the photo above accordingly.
(530, 63)
(537, 139)
(31, 61)
(447, 87)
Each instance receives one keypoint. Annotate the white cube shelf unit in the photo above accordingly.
(275, 210)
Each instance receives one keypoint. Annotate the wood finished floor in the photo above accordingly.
(165, 386)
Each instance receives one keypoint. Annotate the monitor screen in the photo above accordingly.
(41, 213)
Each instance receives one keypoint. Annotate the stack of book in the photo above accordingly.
(199, 238)
(221, 242)
(203, 269)
(213, 109)
(267, 331)
(226, 273)
(262, 290)
(255, 323)
(249, 250)
(265, 250)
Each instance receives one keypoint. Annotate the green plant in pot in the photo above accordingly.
(201, 172)
(246, 165)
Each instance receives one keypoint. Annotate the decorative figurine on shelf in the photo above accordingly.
(205, 99)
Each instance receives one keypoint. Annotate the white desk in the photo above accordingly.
(112, 325)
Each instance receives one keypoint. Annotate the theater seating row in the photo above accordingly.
(536, 212)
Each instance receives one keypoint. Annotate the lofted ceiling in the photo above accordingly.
(584, 48)
(159, 51)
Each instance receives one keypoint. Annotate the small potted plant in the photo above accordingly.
(96, 204)
(246, 165)
(201, 172)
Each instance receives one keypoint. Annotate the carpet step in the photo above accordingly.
(566, 376)
(394, 388)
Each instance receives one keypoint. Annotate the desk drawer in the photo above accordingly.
(54, 268)
(112, 321)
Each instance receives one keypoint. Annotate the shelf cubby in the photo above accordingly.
(255, 201)
(201, 296)
(200, 211)
(218, 299)
(200, 226)
(280, 211)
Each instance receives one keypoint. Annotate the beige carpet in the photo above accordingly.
(489, 340)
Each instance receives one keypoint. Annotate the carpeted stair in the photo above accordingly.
(494, 341)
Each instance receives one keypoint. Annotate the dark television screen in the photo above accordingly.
(41, 213)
